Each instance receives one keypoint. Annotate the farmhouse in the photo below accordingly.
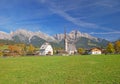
(95, 51)
(46, 49)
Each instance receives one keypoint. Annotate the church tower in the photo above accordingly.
(76, 33)
(65, 41)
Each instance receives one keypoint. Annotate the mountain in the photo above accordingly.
(37, 41)
(25, 36)
(83, 40)
(38, 38)
(5, 36)
(89, 43)
(73, 35)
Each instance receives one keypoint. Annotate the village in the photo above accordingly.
(46, 49)
(69, 49)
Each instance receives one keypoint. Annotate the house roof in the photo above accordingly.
(94, 49)
(42, 49)
(44, 46)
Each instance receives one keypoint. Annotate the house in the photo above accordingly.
(95, 51)
(46, 49)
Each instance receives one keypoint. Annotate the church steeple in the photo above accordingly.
(65, 40)
(76, 34)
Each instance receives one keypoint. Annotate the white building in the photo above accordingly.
(46, 49)
(71, 49)
(69, 46)
(95, 51)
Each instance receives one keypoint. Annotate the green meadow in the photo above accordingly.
(86, 69)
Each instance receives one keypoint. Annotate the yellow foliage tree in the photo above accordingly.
(81, 51)
(31, 49)
(110, 48)
(117, 47)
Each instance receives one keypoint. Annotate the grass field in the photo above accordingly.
(102, 69)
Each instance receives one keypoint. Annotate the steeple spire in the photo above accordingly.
(76, 34)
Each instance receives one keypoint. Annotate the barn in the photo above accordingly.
(46, 49)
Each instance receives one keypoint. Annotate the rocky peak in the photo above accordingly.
(22, 32)
(74, 35)
(4, 35)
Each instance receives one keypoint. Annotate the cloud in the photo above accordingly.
(75, 20)
(108, 3)
(104, 8)
(103, 33)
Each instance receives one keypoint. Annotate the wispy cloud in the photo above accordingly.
(74, 20)
(102, 33)
(108, 3)
(104, 7)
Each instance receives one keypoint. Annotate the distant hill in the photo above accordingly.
(88, 43)
(37, 41)
(80, 39)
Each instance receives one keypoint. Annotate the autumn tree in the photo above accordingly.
(15, 50)
(31, 49)
(23, 48)
(1, 53)
(117, 47)
(11, 48)
(81, 51)
(110, 48)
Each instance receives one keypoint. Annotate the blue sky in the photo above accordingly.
(100, 18)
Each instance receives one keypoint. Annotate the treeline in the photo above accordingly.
(21, 49)
(17, 50)
(111, 48)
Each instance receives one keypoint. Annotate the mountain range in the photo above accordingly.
(80, 39)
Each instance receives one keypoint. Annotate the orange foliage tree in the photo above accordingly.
(17, 49)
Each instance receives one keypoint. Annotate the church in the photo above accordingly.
(69, 46)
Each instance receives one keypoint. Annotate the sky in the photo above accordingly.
(100, 18)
